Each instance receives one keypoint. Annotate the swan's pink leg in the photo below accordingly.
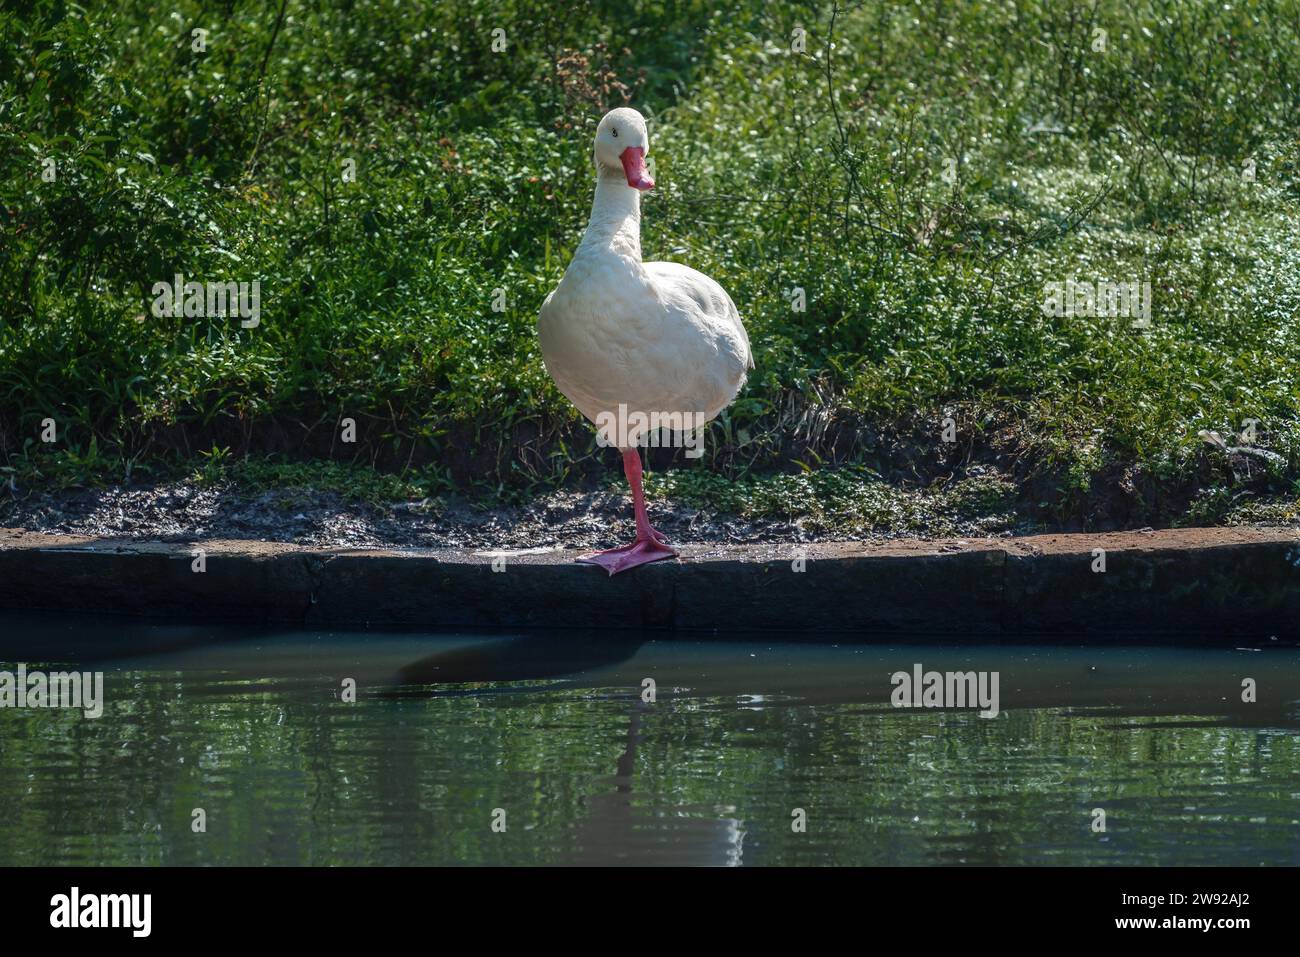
(650, 546)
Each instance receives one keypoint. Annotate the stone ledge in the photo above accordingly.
(1216, 585)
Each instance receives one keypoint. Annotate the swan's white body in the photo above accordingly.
(652, 337)
(644, 345)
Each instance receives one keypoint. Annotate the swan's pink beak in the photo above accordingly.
(633, 159)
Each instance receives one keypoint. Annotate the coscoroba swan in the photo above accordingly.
(637, 346)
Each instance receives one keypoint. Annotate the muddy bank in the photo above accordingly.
(184, 510)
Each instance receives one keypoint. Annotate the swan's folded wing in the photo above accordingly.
(711, 299)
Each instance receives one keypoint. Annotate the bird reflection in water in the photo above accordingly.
(618, 829)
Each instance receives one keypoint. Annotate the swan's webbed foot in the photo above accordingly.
(641, 552)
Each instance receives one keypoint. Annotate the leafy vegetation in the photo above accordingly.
(921, 171)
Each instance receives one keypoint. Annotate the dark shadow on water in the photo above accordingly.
(271, 652)
(520, 658)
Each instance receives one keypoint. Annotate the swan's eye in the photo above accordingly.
(613, 133)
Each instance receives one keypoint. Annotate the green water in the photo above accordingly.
(553, 731)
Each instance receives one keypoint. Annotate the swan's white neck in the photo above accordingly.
(615, 224)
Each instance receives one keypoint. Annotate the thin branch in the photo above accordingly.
(251, 163)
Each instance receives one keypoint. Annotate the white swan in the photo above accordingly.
(632, 343)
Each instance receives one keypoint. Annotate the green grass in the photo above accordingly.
(354, 483)
(776, 170)
(846, 501)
